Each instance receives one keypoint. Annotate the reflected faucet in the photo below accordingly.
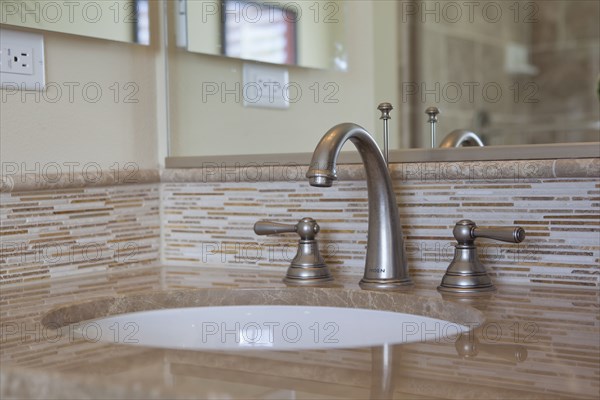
(461, 137)
(458, 137)
(385, 362)
(385, 266)
(468, 346)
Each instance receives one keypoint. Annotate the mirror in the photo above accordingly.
(120, 20)
(520, 72)
(306, 33)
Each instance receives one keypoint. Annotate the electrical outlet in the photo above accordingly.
(265, 86)
(21, 60)
(16, 60)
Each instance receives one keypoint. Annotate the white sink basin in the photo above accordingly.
(274, 327)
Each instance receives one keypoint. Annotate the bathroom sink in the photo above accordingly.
(274, 327)
(264, 318)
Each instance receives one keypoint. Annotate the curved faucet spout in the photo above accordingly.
(461, 137)
(385, 266)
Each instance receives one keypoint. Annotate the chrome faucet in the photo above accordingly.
(385, 267)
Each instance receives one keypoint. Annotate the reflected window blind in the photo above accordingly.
(142, 27)
(259, 32)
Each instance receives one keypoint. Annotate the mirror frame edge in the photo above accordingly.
(490, 153)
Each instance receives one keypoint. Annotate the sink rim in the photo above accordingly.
(400, 302)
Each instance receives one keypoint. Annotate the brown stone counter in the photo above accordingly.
(534, 343)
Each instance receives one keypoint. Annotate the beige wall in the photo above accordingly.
(45, 130)
(79, 126)
(113, 20)
(387, 36)
(219, 125)
(203, 27)
(316, 39)
(53, 128)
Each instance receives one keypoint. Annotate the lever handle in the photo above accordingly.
(510, 235)
(272, 228)
(307, 228)
(308, 266)
(466, 231)
(466, 274)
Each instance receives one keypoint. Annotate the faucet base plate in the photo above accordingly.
(307, 281)
(466, 289)
(385, 285)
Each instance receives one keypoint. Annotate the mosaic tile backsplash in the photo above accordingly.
(77, 230)
(211, 222)
(199, 218)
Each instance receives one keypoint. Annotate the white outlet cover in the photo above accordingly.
(26, 75)
(265, 86)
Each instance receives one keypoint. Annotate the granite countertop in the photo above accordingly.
(535, 343)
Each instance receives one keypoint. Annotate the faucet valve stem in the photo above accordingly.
(385, 109)
(433, 119)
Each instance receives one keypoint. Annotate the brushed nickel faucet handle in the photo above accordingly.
(272, 228)
(466, 274)
(466, 231)
(307, 267)
(433, 113)
(306, 228)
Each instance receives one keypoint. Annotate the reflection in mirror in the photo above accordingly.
(518, 72)
(268, 37)
(305, 33)
(120, 20)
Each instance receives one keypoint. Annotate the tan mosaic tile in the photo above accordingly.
(561, 216)
(74, 232)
